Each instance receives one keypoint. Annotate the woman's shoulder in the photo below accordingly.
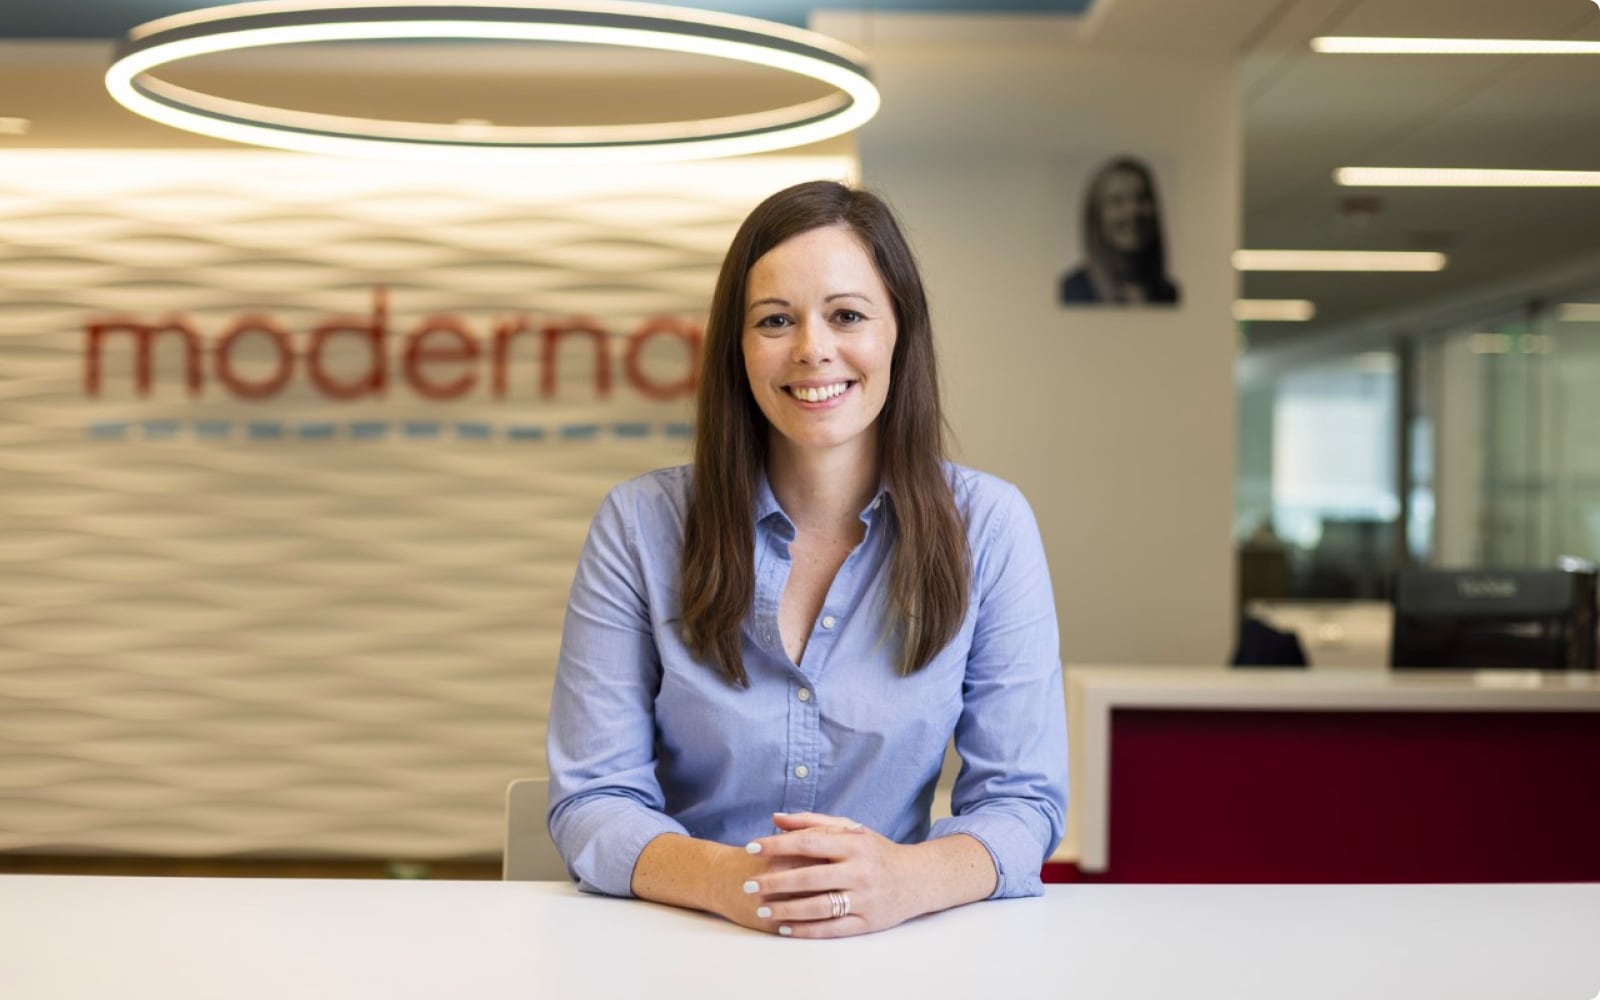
(983, 497)
(653, 496)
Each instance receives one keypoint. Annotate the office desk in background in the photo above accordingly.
(84, 938)
(1195, 774)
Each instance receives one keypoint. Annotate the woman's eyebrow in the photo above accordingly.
(769, 301)
(849, 295)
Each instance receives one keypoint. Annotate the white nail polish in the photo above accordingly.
(752, 887)
(752, 848)
(763, 912)
(786, 930)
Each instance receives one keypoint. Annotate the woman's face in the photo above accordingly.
(1127, 212)
(819, 333)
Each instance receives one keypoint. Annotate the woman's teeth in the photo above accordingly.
(818, 393)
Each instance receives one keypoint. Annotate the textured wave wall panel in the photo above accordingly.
(302, 625)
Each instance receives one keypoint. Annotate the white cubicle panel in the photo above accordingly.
(1345, 634)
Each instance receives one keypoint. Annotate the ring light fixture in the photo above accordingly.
(133, 82)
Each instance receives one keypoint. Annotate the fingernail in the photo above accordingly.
(852, 826)
(763, 912)
(752, 848)
(752, 887)
(785, 930)
(780, 813)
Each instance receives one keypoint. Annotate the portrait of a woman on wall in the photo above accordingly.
(1125, 254)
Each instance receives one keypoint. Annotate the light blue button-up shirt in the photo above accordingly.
(646, 739)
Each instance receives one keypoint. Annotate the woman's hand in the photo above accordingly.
(820, 876)
(831, 877)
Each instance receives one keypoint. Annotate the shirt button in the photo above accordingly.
(877, 502)
(804, 694)
(801, 771)
(827, 621)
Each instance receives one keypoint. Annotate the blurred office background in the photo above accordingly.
(255, 621)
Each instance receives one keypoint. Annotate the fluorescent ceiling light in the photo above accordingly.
(1489, 343)
(1463, 177)
(1579, 312)
(1504, 343)
(1338, 260)
(1453, 46)
(1274, 310)
(149, 47)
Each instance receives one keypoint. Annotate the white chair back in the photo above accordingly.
(530, 854)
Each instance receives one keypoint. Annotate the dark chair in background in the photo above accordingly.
(1261, 645)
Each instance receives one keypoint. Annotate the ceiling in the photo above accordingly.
(1304, 115)
(110, 18)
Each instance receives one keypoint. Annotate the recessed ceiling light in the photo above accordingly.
(1338, 260)
(1579, 312)
(15, 126)
(1453, 46)
(1463, 177)
(1274, 310)
(1489, 343)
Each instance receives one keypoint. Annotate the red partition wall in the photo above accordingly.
(1351, 796)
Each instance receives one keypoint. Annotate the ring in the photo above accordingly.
(839, 902)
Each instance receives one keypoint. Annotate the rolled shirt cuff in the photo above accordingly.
(610, 836)
(1013, 846)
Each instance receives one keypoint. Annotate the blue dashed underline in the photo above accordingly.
(375, 430)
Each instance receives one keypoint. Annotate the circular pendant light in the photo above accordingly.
(133, 82)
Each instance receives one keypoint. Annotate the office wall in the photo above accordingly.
(225, 666)
(286, 525)
(1118, 423)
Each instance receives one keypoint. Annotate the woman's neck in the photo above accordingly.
(823, 489)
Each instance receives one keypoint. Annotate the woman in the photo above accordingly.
(1126, 255)
(766, 653)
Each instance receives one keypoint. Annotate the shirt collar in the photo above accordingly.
(766, 502)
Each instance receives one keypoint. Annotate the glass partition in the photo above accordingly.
(1489, 431)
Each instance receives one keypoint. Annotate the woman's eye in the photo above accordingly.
(847, 316)
(773, 322)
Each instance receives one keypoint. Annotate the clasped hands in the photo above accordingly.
(824, 876)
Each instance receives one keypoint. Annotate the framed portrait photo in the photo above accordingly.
(1121, 246)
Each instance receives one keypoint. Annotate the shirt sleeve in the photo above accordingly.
(1011, 791)
(605, 801)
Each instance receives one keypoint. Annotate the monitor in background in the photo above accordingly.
(1540, 619)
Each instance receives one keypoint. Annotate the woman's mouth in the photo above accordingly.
(818, 393)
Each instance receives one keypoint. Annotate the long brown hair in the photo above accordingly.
(930, 563)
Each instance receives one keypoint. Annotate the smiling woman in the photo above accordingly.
(1124, 245)
(765, 654)
(818, 338)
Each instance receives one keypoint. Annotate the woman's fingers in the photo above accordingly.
(831, 905)
(803, 881)
(813, 842)
(800, 821)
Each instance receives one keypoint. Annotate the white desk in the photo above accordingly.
(77, 938)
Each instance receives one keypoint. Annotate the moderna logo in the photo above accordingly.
(439, 358)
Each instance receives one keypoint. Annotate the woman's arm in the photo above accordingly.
(606, 804)
(1011, 791)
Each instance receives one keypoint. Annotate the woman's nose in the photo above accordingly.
(813, 342)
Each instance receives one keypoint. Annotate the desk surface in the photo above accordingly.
(78, 938)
